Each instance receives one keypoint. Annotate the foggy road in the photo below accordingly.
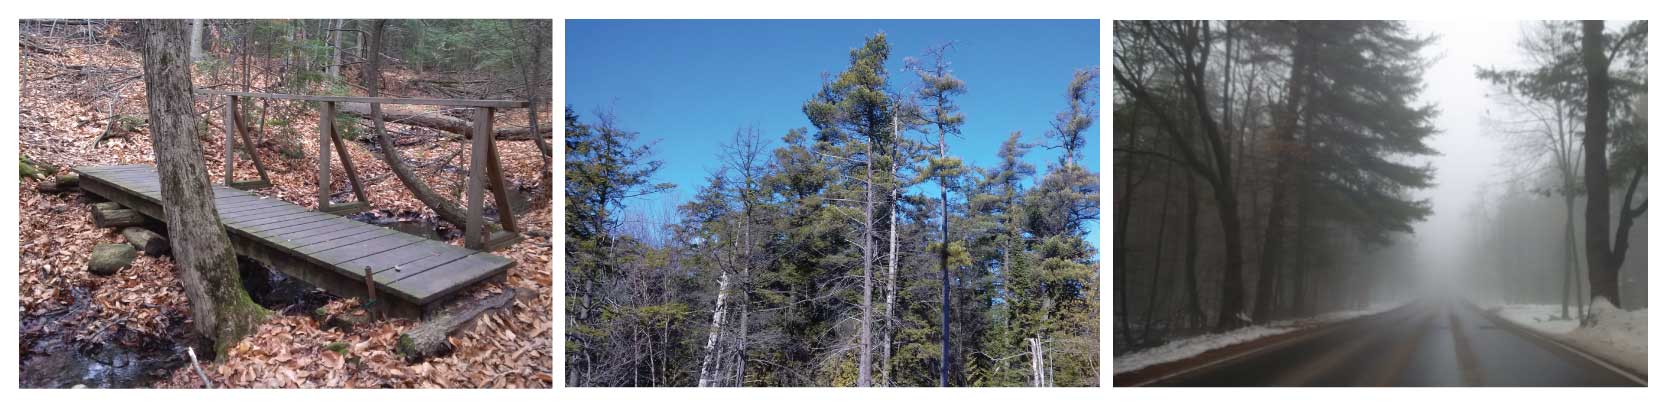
(1427, 343)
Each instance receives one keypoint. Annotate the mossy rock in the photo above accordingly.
(291, 151)
(337, 347)
(29, 168)
(109, 258)
(129, 123)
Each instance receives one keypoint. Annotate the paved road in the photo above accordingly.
(1428, 343)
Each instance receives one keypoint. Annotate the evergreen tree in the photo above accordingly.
(855, 111)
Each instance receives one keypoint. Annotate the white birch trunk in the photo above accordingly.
(196, 40)
(707, 371)
(894, 257)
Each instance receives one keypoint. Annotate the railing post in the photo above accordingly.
(230, 138)
(481, 150)
(326, 124)
(499, 186)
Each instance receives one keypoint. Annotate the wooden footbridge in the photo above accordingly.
(407, 275)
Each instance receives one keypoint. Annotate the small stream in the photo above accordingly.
(120, 359)
(124, 358)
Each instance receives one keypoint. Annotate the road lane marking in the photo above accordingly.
(1328, 360)
(1398, 360)
(1463, 353)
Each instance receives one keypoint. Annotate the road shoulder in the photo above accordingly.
(1624, 362)
(1267, 337)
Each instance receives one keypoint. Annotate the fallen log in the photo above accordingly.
(112, 215)
(145, 241)
(436, 121)
(431, 338)
(65, 182)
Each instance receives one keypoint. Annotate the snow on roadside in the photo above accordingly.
(1616, 335)
(1196, 345)
(1540, 318)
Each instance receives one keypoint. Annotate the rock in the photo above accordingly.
(144, 240)
(108, 258)
(344, 322)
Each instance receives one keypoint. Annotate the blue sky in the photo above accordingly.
(690, 84)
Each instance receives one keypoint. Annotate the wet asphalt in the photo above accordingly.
(1428, 343)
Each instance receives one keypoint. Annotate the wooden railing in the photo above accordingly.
(484, 171)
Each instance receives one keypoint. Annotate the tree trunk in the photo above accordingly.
(431, 338)
(1570, 268)
(1122, 222)
(745, 281)
(946, 279)
(335, 52)
(1230, 302)
(1192, 248)
(1160, 249)
(1302, 225)
(1287, 125)
(196, 40)
(207, 267)
(440, 122)
(707, 371)
(446, 209)
(894, 257)
(866, 278)
(1602, 276)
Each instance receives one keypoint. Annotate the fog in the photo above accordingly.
(1457, 249)
(1468, 164)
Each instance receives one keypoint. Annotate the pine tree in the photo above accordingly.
(856, 110)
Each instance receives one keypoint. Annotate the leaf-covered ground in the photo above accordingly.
(63, 110)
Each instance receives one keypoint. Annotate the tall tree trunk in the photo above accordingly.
(1570, 268)
(1302, 226)
(1192, 248)
(1602, 276)
(1575, 260)
(745, 281)
(866, 278)
(946, 279)
(707, 369)
(220, 309)
(1160, 250)
(446, 209)
(1122, 222)
(335, 52)
(196, 39)
(894, 257)
(1287, 125)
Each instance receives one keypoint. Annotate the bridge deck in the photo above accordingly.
(411, 273)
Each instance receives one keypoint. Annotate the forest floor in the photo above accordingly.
(1214, 344)
(64, 107)
(1618, 335)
